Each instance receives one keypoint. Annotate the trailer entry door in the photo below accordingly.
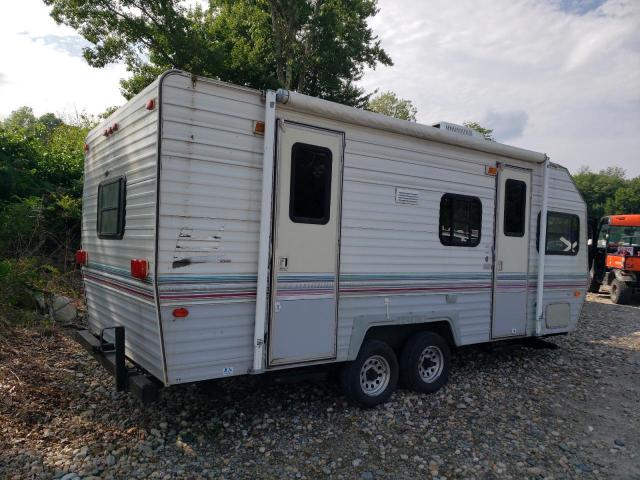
(304, 283)
(510, 272)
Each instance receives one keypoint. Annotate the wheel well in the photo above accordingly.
(396, 335)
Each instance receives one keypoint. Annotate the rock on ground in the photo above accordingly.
(508, 412)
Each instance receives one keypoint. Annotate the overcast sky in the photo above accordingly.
(557, 76)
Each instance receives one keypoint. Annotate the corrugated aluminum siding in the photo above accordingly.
(389, 248)
(392, 262)
(392, 251)
(564, 274)
(210, 188)
(113, 296)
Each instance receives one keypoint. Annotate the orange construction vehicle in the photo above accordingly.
(615, 258)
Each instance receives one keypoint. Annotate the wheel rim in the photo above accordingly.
(430, 364)
(375, 375)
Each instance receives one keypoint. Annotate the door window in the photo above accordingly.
(310, 195)
(515, 204)
(460, 220)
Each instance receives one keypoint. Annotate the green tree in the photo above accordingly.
(388, 103)
(107, 112)
(318, 47)
(599, 189)
(626, 198)
(487, 133)
(41, 167)
(21, 119)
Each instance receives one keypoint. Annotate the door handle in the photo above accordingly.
(499, 265)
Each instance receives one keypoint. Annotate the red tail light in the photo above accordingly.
(151, 104)
(139, 268)
(81, 257)
(86, 147)
(180, 312)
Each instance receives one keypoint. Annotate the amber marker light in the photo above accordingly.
(258, 127)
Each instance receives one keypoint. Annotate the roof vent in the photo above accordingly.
(404, 196)
(458, 129)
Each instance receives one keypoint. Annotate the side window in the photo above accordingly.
(563, 231)
(111, 208)
(460, 220)
(603, 236)
(515, 204)
(310, 194)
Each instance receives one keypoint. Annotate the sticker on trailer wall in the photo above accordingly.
(226, 371)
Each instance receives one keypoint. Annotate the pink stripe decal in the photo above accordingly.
(119, 286)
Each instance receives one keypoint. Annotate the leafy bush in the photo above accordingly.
(41, 168)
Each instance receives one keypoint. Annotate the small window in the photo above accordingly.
(603, 237)
(515, 204)
(310, 195)
(460, 220)
(111, 207)
(563, 234)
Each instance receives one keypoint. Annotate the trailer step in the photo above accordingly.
(112, 359)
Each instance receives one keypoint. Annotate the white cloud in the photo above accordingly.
(562, 77)
(506, 125)
(558, 76)
(41, 66)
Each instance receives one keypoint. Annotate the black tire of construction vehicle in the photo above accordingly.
(594, 285)
(372, 377)
(620, 292)
(424, 362)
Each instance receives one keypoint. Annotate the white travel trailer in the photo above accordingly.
(232, 231)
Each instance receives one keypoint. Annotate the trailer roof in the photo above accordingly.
(357, 116)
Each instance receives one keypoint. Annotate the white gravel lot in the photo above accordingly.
(507, 412)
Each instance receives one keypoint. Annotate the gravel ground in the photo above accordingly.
(508, 412)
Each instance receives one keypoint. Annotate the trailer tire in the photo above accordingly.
(594, 285)
(372, 377)
(620, 292)
(424, 362)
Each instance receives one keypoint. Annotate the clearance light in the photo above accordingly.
(180, 312)
(577, 293)
(489, 170)
(139, 268)
(151, 104)
(85, 147)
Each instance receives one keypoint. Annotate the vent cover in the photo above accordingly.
(404, 196)
(458, 129)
